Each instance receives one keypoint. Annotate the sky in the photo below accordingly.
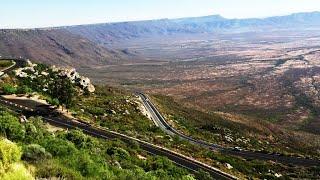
(48, 13)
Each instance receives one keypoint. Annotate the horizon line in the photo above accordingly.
(156, 19)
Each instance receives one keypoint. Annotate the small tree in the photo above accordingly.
(64, 91)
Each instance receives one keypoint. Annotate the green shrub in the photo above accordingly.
(53, 168)
(10, 127)
(16, 171)
(59, 147)
(9, 153)
(35, 152)
(77, 137)
(9, 89)
(86, 165)
(96, 111)
(203, 175)
(118, 152)
(10, 165)
(53, 101)
(41, 67)
(33, 134)
(24, 90)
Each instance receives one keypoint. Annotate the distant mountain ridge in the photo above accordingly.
(109, 32)
(92, 45)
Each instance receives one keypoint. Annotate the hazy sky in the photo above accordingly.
(44, 13)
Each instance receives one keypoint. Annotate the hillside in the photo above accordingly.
(30, 148)
(56, 46)
(52, 152)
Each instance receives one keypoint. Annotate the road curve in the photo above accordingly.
(178, 159)
(17, 63)
(163, 124)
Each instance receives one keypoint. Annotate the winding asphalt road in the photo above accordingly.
(163, 124)
(179, 159)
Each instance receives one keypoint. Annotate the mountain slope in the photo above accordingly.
(55, 46)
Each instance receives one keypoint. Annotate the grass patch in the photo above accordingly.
(5, 63)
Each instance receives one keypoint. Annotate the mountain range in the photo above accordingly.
(109, 32)
(91, 45)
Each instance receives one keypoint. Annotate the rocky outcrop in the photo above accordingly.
(30, 71)
(75, 77)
